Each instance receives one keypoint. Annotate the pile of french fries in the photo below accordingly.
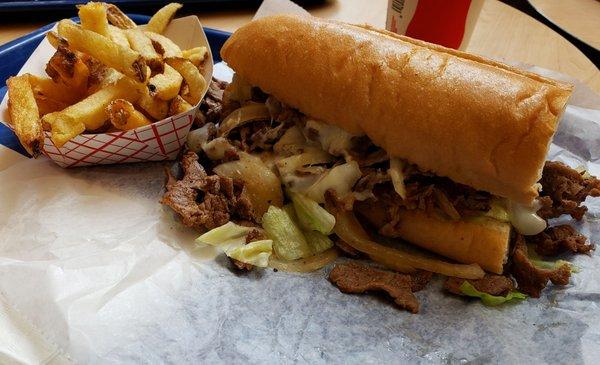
(107, 74)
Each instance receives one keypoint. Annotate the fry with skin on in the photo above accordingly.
(47, 88)
(153, 106)
(117, 18)
(196, 55)
(142, 44)
(93, 17)
(123, 115)
(48, 105)
(118, 36)
(124, 60)
(97, 72)
(159, 21)
(163, 45)
(166, 85)
(67, 67)
(24, 114)
(194, 80)
(55, 40)
(91, 111)
(64, 128)
(178, 106)
(109, 77)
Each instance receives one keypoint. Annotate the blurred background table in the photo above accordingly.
(580, 18)
(501, 32)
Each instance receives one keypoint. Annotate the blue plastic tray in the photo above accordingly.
(15, 53)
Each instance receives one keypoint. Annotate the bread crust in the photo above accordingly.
(479, 122)
(482, 241)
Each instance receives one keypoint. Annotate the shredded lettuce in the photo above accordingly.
(230, 238)
(490, 300)
(229, 234)
(553, 265)
(318, 241)
(256, 253)
(289, 242)
(311, 216)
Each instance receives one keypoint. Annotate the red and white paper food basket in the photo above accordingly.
(156, 142)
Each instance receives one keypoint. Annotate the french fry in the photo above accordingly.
(48, 105)
(67, 67)
(118, 36)
(64, 128)
(123, 115)
(24, 114)
(124, 60)
(56, 40)
(117, 18)
(142, 44)
(166, 85)
(97, 72)
(153, 106)
(162, 18)
(109, 77)
(178, 106)
(191, 75)
(93, 17)
(196, 55)
(163, 45)
(47, 88)
(91, 111)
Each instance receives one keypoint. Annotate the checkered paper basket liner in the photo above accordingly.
(155, 142)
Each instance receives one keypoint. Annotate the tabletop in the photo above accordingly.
(501, 32)
(580, 18)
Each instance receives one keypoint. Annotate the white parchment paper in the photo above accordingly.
(94, 270)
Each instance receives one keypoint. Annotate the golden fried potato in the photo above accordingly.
(196, 55)
(123, 115)
(64, 128)
(178, 106)
(91, 111)
(194, 80)
(117, 18)
(166, 85)
(118, 36)
(109, 77)
(124, 60)
(67, 67)
(153, 106)
(163, 45)
(142, 44)
(47, 88)
(93, 17)
(56, 40)
(24, 114)
(48, 105)
(159, 21)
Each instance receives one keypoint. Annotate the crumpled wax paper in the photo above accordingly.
(94, 270)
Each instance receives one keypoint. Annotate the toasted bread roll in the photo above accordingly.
(476, 121)
(484, 241)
